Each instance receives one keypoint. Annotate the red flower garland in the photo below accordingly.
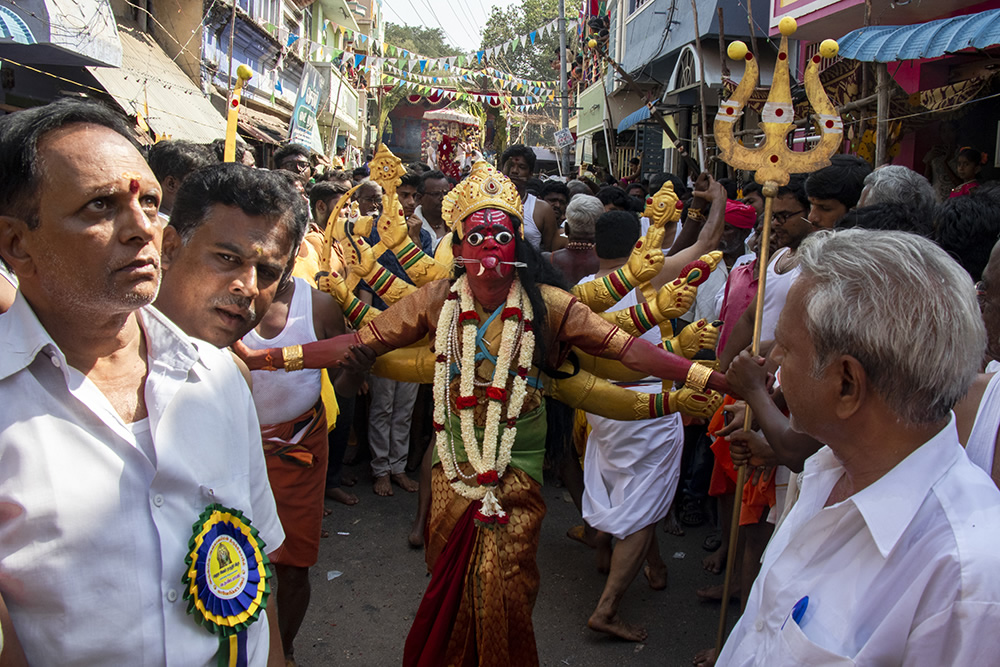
(497, 393)
(488, 477)
(462, 402)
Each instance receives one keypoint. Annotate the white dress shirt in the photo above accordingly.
(904, 572)
(93, 529)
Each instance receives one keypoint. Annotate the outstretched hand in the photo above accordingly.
(254, 359)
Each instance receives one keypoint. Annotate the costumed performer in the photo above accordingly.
(492, 329)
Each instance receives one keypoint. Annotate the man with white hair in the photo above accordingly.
(889, 555)
(899, 185)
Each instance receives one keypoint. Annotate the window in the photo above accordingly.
(636, 5)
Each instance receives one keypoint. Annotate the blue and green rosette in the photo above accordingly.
(225, 583)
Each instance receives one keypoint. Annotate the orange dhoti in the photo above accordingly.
(484, 579)
(296, 453)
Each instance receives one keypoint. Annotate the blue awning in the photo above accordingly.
(924, 40)
(637, 116)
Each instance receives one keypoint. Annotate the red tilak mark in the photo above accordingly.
(782, 56)
(729, 111)
(235, 103)
(829, 123)
(779, 112)
(133, 186)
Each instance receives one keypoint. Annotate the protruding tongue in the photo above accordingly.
(490, 263)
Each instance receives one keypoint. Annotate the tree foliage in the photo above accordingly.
(533, 61)
(420, 40)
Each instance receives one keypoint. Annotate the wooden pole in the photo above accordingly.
(703, 111)
(232, 34)
(753, 35)
(882, 113)
(770, 191)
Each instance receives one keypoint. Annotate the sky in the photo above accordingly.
(461, 20)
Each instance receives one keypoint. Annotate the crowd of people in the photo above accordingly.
(179, 336)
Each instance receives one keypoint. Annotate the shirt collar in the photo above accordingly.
(22, 337)
(889, 505)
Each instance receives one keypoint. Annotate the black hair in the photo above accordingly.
(968, 228)
(888, 216)
(19, 136)
(411, 179)
(218, 147)
(434, 175)
(843, 180)
(636, 185)
(973, 155)
(289, 150)
(518, 150)
(554, 187)
(752, 187)
(612, 194)
(615, 234)
(797, 188)
(534, 186)
(177, 159)
(361, 172)
(657, 180)
(256, 192)
(419, 167)
(325, 191)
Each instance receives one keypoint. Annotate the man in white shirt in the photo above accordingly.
(890, 554)
(118, 432)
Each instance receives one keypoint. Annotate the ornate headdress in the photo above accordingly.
(483, 188)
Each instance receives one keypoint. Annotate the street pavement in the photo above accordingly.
(369, 581)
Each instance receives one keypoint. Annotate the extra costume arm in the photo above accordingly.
(356, 312)
(409, 364)
(697, 336)
(600, 397)
(643, 265)
(420, 267)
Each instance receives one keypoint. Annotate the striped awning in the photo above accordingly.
(924, 40)
(634, 118)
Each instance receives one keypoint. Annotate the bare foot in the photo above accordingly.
(327, 511)
(714, 593)
(657, 577)
(672, 526)
(382, 486)
(416, 536)
(324, 533)
(342, 496)
(616, 628)
(580, 534)
(704, 658)
(714, 562)
(405, 483)
(350, 480)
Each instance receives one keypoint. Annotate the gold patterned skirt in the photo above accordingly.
(494, 579)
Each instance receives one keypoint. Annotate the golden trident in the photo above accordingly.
(773, 163)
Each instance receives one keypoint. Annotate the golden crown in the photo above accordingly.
(483, 188)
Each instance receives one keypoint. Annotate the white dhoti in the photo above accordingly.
(631, 470)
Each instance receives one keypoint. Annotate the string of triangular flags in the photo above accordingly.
(491, 97)
(475, 80)
(408, 60)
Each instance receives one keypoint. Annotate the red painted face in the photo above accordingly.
(489, 241)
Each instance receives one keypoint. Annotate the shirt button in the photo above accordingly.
(158, 500)
(759, 625)
(56, 362)
(171, 595)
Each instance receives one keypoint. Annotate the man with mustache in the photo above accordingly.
(227, 259)
(118, 432)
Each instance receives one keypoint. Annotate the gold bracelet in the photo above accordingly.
(292, 356)
(697, 377)
(696, 215)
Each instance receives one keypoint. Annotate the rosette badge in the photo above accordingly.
(225, 583)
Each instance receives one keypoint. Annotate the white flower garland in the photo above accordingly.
(487, 459)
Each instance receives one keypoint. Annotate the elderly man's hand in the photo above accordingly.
(747, 376)
(750, 448)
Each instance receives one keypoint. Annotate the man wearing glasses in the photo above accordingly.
(294, 158)
(434, 185)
